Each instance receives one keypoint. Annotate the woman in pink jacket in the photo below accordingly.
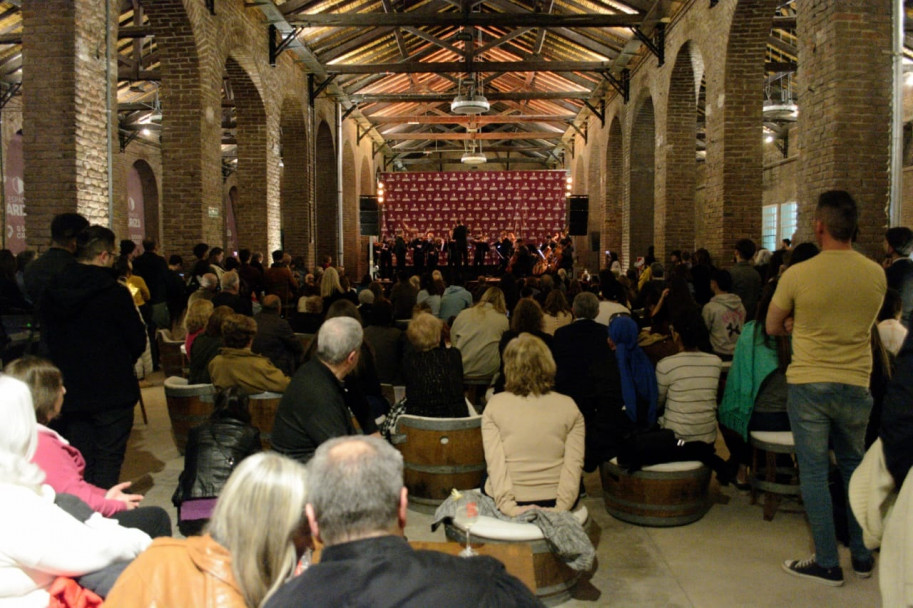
(63, 465)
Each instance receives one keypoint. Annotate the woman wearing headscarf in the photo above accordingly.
(638, 380)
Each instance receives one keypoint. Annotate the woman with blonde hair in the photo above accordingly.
(433, 374)
(241, 560)
(331, 289)
(557, 312)
(533, 437)
(476, 332)
(195, 320)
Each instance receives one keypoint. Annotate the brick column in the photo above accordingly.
(351, 251)
(326, 196)
(845, 110)
(639, 211)
(295, 190)
(614, 190)
(64, 129)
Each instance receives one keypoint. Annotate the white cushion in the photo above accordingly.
(176, 382)
(496, 529)
(775, 437)
(266, 395)
(184, 349)
(670, 467)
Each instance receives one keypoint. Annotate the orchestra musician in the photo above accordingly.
(481, 251)
(461, 244)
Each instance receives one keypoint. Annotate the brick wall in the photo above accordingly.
(295, 189)
(326, 198)
(349, 212)
(614, 189)
(639, 210)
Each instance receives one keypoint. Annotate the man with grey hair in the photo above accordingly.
(357, 508)
(313, 408)
(229, 296)
(207, 290)
(587, 372)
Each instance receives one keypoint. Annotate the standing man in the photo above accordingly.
(154, 270)
(313, 407)
(829, 304)
(419, 251)
(898, 245)
(40, 274)
(461, 244)
(481, 252)
(95, 336)
(399, 249)
(357, 508)
(746, 282)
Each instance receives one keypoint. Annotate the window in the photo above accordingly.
(778, 222)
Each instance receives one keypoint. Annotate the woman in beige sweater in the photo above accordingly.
(533, 437)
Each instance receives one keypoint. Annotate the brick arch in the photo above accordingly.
(251, 212)
(350, 248)
(734, 201)
(675, 205)
(614, 188)
(294, 187)
(191, 129)
(150, 199)
(639, 213)
(326, 196)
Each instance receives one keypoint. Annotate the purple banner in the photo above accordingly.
(14, 192)
(231, 231)
(136, 217)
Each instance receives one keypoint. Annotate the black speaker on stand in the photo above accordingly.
(578, 210)
(368, 215)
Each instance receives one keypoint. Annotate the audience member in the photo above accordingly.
(386, 341)
(213, 450)
(195, 322)
(454, 300)
(829, 304)
(208, 284)
(533, 437)
(366, 305)
(39, 540)
(313, 409)
(701, 271)
(154, 271)
(898, 245)
(613, 298)
(236, 365)
(230, 294)
(200, 266)
(557, 312)
(176, 291)
(890, 329)
(746, 282)
(724, 315)
(251, 547)
(638, 379)
(251, 276)
(206, 346)
(275, 338)
(357, 510)
(433, 374)
(477, 331)
(803, 252)
(279, 280)
(95, 336)
(527, 317)
(331, 289)
(403, 296)
(309, 315)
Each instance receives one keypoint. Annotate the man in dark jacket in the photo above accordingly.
(357, 508)
(95, 336)
(898, 244)
(275, 338)
(588, 373)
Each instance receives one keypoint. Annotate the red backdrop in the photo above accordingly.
(531, 204)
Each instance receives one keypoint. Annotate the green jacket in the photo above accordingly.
(752, 362)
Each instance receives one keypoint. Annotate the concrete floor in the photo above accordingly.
(731, 557)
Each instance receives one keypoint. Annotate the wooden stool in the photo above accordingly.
(764, 477)
(263, 408)
(188, 406)
(554, 579)
(660, 495)
(171, 357)
(439, 454)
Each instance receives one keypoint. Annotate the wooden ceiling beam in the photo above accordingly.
(417, 19)
(475, 136)
(465, 120)
(491, 96)
(438, 67)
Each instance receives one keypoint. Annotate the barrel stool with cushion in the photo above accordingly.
(171, 354)
(263, 407)
(554, 579)
(775, 481)
(188, 406)
(439, 455)
(660, 495)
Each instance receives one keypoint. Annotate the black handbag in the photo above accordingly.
(647, 447)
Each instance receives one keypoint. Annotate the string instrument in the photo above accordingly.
(541, 265)
(555, 257)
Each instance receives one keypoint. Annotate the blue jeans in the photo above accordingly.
(819, 412)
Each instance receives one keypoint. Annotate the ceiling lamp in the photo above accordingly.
(780, 112)
(473, 156)
(471, 103)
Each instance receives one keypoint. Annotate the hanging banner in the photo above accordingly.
(231, 230)
(14, 193)
(136, 216)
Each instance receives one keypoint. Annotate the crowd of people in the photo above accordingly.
(579, 370)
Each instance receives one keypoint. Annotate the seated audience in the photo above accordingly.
(403, 296)
(527, 317)
(433, 373)
(755, 394)
(366, 305)
(357, 510)
(309, 315)
(687, 383)
(614, 300)
(454, 300)
(890, 329)
(723, 315)
(213, 450)
(313, 409)
(557, 312)
(39, 540)
(275, 338)
(638, 379)
(331, 289)
(252, 544)
(431, 293)
(386, 341)
(533, 437)
(209, 282)
(230, 296)
(206, 346)
(237, 365)
(195, 321)
(278, 278)
(63, 465)
(477, 331)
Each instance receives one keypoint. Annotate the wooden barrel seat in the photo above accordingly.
(188, 406)
(554, 579)
(439, 454)
(766, 476)
(263, 408)
(662, 495)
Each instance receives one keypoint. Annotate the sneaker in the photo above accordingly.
(809, 568)
(863, 568)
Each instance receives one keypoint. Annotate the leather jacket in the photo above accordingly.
(213, 450)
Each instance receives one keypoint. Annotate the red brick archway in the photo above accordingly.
(296, 208)
(327, 230)
(641, 178)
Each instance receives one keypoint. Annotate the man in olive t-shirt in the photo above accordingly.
(829, 304)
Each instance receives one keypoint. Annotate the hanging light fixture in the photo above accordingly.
(473, 157)
(471, 103)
